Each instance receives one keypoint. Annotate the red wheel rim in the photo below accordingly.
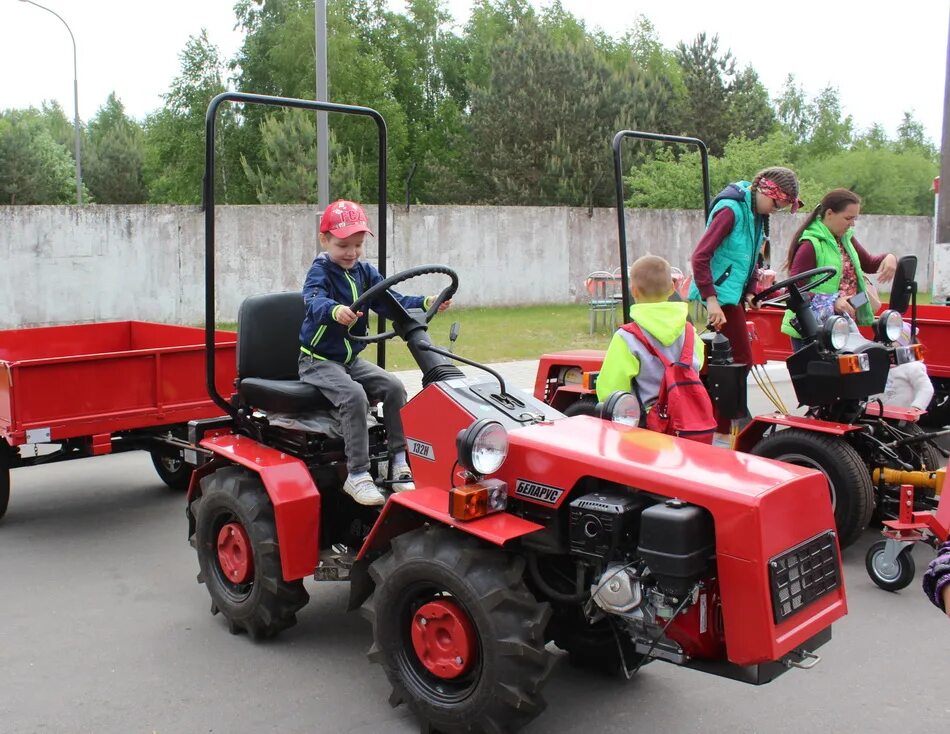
(234, 553)
(444, 639)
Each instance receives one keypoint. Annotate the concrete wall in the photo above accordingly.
(63, 265)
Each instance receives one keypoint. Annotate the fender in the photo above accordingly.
(892, 412)
(432, 503)
(753, 432)
(407, 511)
(291, 490)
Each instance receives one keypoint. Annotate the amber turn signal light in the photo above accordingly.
(471, 501)
(849, 364)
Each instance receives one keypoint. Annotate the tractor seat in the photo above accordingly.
(268, 347)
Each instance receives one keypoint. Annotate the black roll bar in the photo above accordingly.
(618, 185)
(208, 206)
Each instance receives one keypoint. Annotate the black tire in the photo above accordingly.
(582, 407)
(4, 481)
(264, 604)
(890, 578)
(500, 687)
(175, 472)
(852, 494)
(929, 456)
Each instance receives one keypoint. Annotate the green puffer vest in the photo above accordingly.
(734, 259)
(828, 254)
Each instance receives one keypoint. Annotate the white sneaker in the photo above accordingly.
(402, 476)
(364, 491)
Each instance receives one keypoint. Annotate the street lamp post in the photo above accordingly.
(75, 99)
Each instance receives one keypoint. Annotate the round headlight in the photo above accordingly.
(621, 407)
(483, 446)
(889, 326)
(834, 332)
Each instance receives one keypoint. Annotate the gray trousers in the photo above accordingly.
(350, 388)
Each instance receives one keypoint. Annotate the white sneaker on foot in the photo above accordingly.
(364, 491)
(402, 478)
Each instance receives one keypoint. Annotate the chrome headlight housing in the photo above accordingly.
(834, 333)
(620, 407)
(483, 446)
(888, 326)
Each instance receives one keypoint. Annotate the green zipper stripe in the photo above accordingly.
(311, 354)
(316, 337)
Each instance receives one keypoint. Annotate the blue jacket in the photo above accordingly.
(329, 287)
(734, 261)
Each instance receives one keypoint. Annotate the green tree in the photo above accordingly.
(175, 135)
(542, 124)
(831, 132)
(793, 112)
(288, 174)
(113, 156)
(34, 168)
(719, 101)
(911, 137)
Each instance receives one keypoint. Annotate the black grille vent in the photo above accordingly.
(803, 575)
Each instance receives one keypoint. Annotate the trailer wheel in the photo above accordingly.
(459, 636)
(175, 472)
(889, 576)
(852, 494)
(4, 482)
(236, 540)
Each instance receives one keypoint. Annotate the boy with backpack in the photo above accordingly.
(658, 357)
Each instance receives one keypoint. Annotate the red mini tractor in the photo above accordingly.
(855, 441)
(619, 545)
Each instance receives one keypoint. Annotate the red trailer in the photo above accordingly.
(92, 389)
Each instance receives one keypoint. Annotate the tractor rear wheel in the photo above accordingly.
(457, 632)
(236, 540)
(889, 576)
(174, 471)
(852, 494)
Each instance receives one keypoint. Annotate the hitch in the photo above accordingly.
(806, 659)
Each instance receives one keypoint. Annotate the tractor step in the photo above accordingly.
(335, 565)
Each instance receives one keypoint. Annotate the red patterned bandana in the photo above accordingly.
(769, 188)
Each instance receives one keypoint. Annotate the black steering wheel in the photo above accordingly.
(399, 315)
(823, 276)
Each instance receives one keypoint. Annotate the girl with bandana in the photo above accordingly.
(724, 261)
(827, 239)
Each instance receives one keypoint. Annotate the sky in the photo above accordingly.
(884, 57)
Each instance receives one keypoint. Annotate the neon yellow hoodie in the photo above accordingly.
(627, 359)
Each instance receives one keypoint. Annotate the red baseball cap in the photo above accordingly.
(343, 218)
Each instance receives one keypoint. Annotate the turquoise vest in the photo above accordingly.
(734, 259)
(827, 254)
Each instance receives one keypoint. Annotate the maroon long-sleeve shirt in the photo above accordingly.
(719, 228)
(805, 258)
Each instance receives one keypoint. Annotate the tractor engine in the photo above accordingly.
(654, 572)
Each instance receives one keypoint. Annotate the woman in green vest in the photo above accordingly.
(826, 239)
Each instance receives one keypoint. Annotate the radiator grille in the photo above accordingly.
(803, 575)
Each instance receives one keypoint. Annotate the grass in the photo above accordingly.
(512, 333)
(501, 334)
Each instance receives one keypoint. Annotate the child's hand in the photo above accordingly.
(346, 316)
(444, 305)
(946, 599)
(714, 314)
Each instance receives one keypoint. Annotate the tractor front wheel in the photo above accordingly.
(236, 540)
(852, 494)
(890, 576)
(174, 471)
(457, 632)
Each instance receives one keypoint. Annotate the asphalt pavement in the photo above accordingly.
(105, 630)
